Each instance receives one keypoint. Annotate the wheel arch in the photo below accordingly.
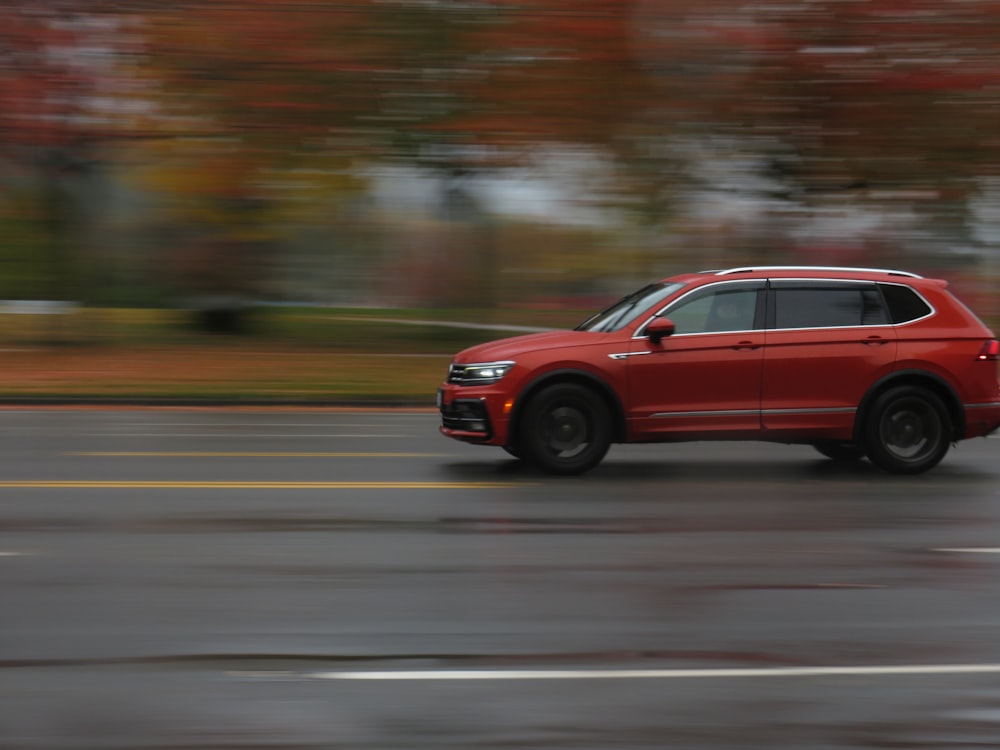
(924, 379)
(580, 377)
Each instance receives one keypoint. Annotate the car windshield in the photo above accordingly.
(625, 310)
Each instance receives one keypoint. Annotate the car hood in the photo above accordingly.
(510, 348)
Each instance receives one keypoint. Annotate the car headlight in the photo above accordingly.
(480, 373)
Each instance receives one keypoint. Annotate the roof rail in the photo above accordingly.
(748, 269)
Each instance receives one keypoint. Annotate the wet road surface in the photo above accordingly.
(241, 579)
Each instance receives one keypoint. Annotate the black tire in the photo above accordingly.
(907, 431)
(513, 451)
(565, 429)
(839, 450)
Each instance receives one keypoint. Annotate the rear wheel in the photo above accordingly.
(565, 429)
(908, 430)
(839, 450)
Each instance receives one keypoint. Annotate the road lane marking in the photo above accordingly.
(245, 454)
(214, 435)
(231, 425)
(154, 485)
(970, 550)
(659, 674)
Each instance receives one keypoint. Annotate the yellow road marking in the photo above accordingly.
(154, 485)
(244, 454)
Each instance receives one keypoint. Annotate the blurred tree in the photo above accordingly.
(264, 101)
(264, 112)
(282, 105)
(260, 122)
(892, 94)
(887, 104)
(40, 134)
(60, 89)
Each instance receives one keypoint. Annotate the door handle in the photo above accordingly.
(745, 346)
(875, 341)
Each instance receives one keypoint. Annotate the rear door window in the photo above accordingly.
(826, 305)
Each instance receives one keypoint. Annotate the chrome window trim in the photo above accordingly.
(831, 328)
(638, 335)
(808, 280)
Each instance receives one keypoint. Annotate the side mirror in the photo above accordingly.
(659, 329)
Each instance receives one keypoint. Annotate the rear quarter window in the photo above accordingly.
(904, 304)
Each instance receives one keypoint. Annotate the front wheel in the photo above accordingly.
(908, 430)
(565, 429)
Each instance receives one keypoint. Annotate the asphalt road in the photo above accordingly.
(291, 579)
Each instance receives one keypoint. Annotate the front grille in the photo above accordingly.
(466, 415)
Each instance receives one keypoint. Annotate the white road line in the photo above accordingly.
(63, 484)
(13, 554)
(970, 550)
(659, 674)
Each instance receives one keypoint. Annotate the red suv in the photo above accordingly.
(856, 362)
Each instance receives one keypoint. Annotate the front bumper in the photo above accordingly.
(473, 417)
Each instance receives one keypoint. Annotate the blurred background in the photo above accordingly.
(214, 156)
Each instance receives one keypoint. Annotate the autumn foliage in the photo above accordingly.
(285, 104)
